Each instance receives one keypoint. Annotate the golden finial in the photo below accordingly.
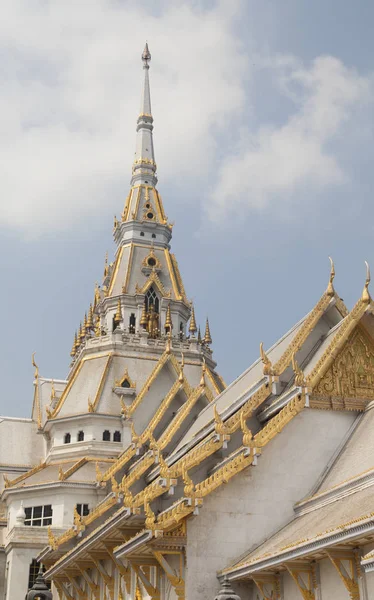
(48, 412)
(168, 321)
(77, 342)
(81, 334)
(153, 444)
(199, 336)
(53, 391)
(120, 595)
(61, 474)
(150, 520)
(299, 374)
(189, 486)
(36, 374)
(106, 268)
(219, 426)
(123, 407)
(330, 288)
(115, 485)
(89, 320)
(6, 481)
(192, 327)
(85, 323)
(134, 437)
(144, 317)
(365, 293)
(51, 539)
(207, 336)
(268, 369)
(247, 433)
(96, 294)
(164, 467)
(99, 475)
(90, 406)
(73, 350)
(118, 315)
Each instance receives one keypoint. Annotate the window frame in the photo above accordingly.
(45, 519)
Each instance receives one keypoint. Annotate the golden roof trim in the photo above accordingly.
(178, 278)
(115, 270)
(169, 263)
(102, 381)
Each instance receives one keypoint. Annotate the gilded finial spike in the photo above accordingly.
(268, 368)
(73, 350)
(192, 327)
(146, 56)
(118, 315)
(365, 292)
(199, 336)
(168, 344)
(134, 436)
(330, 288)
(219, 425)
(247, 433)
(207, 336)
(36, 374)
(299, 374)
(168, 321)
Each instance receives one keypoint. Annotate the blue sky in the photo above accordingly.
(264, 143)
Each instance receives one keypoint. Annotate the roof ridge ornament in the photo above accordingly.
(146, 56)
(330, 288)
(268, 366)
(365, 292)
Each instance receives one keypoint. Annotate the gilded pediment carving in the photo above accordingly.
(351, 374)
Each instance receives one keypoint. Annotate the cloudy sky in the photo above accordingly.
(264, 144)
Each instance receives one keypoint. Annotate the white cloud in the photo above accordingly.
(71, 79)
(272, 164)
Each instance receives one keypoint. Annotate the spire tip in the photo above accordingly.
(146, 56)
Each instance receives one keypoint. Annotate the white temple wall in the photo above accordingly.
(257, 502)
(19, 442)
(2, 572)
(369, 580)
(290, 589)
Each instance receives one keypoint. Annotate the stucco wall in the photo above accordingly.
(259, 501)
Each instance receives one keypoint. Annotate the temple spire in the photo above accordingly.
(144, 167)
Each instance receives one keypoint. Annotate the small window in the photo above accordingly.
(148, 205)
(151, 262)
(106, 436)
(67, 438)
(80, 436)
(125, 384)
(154, 235)
(132, 323)
(142, 233)
(82, 510)
(117, 436)
(150, 215)
(33, 573)
(38, 516)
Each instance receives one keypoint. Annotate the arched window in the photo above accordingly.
(151, 298)
(132, 323)
(117, 436)
(106, 436)
(125, 384)
(153, 235)
(80, 436)
(142, 233)
(67, 438)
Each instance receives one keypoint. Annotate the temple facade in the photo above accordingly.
(146, 477)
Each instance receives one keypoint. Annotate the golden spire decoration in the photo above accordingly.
(73, 350)
(143, 317)
(199, 336)
(36, 374)
(81, 334)
(164, 467)
(330, 288)
(150, 520)
(115, 485)
(99, 475)
(168, 321)
(89, 323)
(247, 433)
(96, 294)
(192, 327)
(134, 437)
(207, 336)
(90, 406)
(219, 426)
(85, 323)
(268, 368)
(53, 391)
(189, 486)
(299, 374)
(106, 268)
(77, 342)
(118, 315)
(365, 292)
(51, 539)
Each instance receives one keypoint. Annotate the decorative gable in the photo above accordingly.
(351, 375)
